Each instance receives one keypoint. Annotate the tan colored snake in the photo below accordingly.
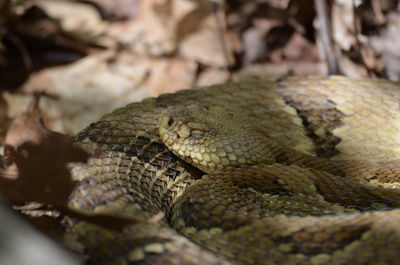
(265, 197)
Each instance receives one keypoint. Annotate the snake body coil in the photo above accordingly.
(300, 171)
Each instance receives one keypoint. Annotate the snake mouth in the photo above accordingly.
(167, 138)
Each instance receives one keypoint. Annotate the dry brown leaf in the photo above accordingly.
(386, 45)
(192, 21)
(37, 171)
(171, 75)
(118, 9)
(86, 89)
(38, 159)
(153, 32)
(352, 69)
(27, 127)
(302, 57)
(343, 24)
(206, 46)
(347, 38)
(85, 23)
(212, 76)
(61, 116)
(299, 48)
(164, 27)
(255, 46)
(43, 177)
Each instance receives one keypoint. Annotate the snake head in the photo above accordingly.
(211, 138)
(183, 132)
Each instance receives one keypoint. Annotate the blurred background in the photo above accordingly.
(89, 57)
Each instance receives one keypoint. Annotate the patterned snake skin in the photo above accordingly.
(297, 171)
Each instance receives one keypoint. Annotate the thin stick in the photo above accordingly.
(325, 34)
(216, 6)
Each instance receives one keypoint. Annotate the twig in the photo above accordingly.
(217, 11)
(325, 34)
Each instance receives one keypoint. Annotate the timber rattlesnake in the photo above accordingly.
(272, 213)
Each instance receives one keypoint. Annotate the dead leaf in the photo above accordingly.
(385, 45)
(85, 24)
(192, 21)
(299, 48)
(212, 76)
(24, 158)
(343, 30)
(28, 127)
(207, 45)
(159, 16)
(352, 69)
(86, 89)
(118, 9)
(36, 28)
(204, 47)
(171, 75)
(36, 171)
(43, 177)
(302, 57)
(255, 46)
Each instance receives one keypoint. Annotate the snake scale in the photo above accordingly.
(292, 171)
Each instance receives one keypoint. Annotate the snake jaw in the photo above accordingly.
(174, 133)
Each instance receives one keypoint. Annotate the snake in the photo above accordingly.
(300, 170)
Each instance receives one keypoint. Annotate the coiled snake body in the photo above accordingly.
(299, 171)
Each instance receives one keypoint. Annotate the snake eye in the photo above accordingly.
(197, 134)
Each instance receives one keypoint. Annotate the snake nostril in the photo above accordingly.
(170, 121)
